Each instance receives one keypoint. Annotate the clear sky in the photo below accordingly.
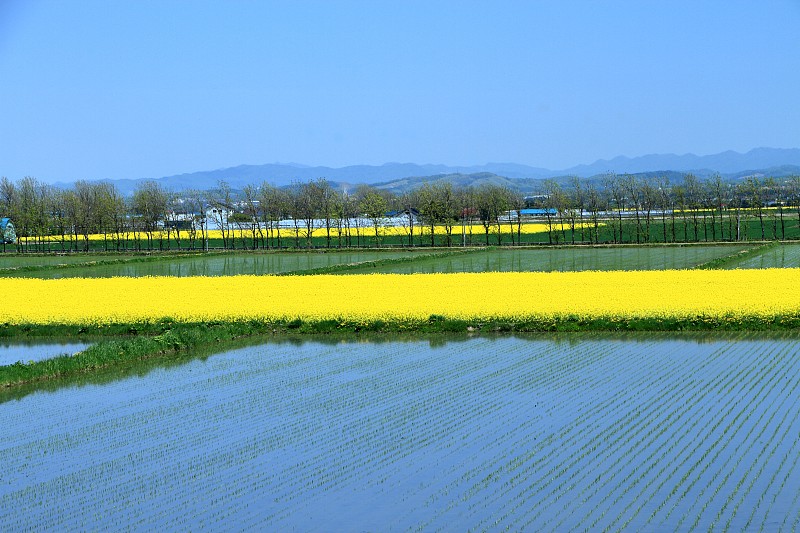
(145, 89)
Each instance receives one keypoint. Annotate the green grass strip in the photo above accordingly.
(736, 257)
(131, 343)
(126, 259)
(377, 263)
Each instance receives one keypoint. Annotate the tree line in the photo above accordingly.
(616, 209)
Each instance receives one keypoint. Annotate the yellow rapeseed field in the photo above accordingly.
(364, 231)
(505, 296)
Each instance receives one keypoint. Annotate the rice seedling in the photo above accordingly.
(540, 433)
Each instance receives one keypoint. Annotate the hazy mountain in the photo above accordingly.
(725, 163)
(277, 174)
(775, 172)
(536, 185)
(460, 180)
(351, 176)
(400, 176)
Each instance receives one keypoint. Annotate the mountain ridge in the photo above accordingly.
(730, 164)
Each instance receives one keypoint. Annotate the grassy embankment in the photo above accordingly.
(95, 259)
(129, 344)
(737, 257)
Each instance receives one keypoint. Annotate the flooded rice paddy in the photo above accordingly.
(655, 432)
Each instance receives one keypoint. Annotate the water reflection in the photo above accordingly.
(549, 259)
(305, 342)
(781, 256)
(214, 265)
(12, 351)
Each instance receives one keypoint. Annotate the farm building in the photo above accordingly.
(9, 235)
(528, 214)
(538, 212)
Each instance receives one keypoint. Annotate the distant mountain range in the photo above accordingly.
(775, 162)
(729, 162)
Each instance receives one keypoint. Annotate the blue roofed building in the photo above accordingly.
(528, 214)
(538, 212)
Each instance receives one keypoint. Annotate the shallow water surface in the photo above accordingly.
(780, 256)
(37, 350)
(216, 265)
(548, 433)
(561, 260)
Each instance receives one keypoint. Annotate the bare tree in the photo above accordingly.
(466, 201)
(374, 206)
(649, 201)
(220, 200)
(326, 198)
(149, 205)
(665, 205)
(252, 209)
(195, 206)
(754, 191)
(717, 192)
(633, 191)
(449, 214)
(429, 208)
(118, 216)
(275, 207)
(794, 195)
(615, 189)
(515, 204)
(108, 208)
(774, 192)
(491, 202)
(693, 191)
(407, 205)
(555, 206)
(577, 207)
(594, 200)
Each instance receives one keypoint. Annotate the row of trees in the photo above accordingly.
(615, 209)
(692, 210)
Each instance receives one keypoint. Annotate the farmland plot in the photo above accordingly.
(780, 256)
(537, 433)
(699, 299)
(214, 265)
(28, 260)
(561, 259)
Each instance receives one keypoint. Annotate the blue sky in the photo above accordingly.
(144, 89)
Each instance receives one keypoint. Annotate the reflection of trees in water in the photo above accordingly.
(143, 367)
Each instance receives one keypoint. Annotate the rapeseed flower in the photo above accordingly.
(245, 232)
(395, 297)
